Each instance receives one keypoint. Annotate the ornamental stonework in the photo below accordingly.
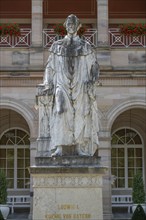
(67, 181)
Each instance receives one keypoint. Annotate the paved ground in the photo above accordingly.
(122, 216)
(19, 215)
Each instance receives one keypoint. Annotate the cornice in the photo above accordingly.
(106, 79)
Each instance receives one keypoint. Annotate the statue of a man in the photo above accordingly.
(70, 74)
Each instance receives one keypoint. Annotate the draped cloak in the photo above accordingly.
(71, 72)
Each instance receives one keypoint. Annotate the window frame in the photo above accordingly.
(16, 147)
(126, 147)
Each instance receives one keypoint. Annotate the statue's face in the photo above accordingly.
(71, 27)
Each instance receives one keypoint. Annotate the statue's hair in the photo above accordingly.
(74, 19)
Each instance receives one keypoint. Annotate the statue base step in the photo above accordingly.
(69, 161)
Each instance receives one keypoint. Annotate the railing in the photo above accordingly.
(49, 37)
(18, 202)
(24, 40)
(122, 201)
(117, 40)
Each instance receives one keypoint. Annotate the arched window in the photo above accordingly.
(126, 157)
(15, 158)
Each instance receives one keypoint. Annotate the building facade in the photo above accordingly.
(121, 96)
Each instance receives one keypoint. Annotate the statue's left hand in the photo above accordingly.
(94, 72)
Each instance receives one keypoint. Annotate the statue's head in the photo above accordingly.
(72, 24)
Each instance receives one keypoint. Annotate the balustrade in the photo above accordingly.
(24, 40)
(49, 37)
(116, 40)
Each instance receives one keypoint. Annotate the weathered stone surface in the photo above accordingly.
(73, 161)
(67, 183)
(67, 195)
(68, 112)
(20, 58)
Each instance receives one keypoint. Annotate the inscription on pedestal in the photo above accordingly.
(68, 208)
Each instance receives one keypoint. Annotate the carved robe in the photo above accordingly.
(70, 73)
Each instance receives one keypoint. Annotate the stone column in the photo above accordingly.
(102, 22)
(37, 22)
(104, 152)
(33, 149)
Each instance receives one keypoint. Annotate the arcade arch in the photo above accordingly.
(15, 150)
(128, 147)
(15, 158)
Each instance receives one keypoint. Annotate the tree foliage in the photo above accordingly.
(3, 188)
(139, 213)
(138, 193)
(1, 216)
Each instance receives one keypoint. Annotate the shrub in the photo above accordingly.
(138, 192)
(81, 31)
(1, 217)
(60, 30)
(3, 188)
(10, 29)
(133, 29)
(1, 29)
(139, 214)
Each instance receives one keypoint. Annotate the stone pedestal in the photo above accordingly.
(67, 187)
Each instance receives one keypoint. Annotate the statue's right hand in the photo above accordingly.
(48, 89)
(45, 89)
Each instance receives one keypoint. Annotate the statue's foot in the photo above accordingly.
(42, 84)
(80, 152)
(58, 152)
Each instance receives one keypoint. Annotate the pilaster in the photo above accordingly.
(37, 22)
(102, 22)
(104, 151)
(33, 148)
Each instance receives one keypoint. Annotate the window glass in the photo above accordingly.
(126, 157)
(15, 158)
(2, 153)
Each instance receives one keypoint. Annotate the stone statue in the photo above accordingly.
(69, 80)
